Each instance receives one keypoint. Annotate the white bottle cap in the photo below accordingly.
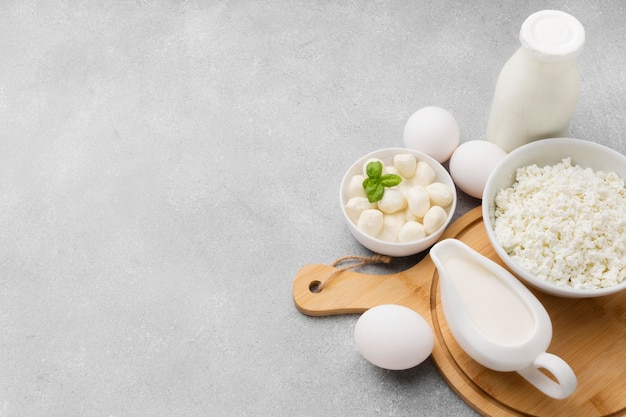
(552, 35)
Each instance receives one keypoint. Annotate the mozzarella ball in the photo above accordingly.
(405, 185)
(434, 218)
(392, 223)
(371, 222)
(418, 201)
(409, 216)
(406, 164)
(392, 201)
(355, 187)
(434, 131)
(440, 194)
(355, 207)
(411, 231)
(472, 163)
(424, 174)
(390, 169)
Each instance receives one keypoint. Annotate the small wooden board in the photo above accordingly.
(589, 334)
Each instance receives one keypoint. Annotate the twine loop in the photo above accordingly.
(317, 286)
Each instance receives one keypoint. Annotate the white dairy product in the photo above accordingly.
(406, 164)
(440, 194)
(424, 174)
(355, 187)
(434, 218)
(371, 222)
(392, 225)
(356, 205)
(406, 204)
(538, 88)
(496, 310)
(565, 224)
(411, 231)
(392, 201)
(390, 169)
(418, 200)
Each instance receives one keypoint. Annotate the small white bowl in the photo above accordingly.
(383, 247)
(543, 153)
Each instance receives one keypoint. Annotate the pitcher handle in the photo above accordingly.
(556, 366)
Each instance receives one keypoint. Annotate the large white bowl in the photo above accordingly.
(383, 247)
(548, 152)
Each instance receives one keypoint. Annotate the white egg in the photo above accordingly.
(434, 131)
(393, 337)
(472, 163)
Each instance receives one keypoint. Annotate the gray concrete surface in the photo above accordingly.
(166, 167)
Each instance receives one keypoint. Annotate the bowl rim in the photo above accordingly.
(488, 205)
(422, 156)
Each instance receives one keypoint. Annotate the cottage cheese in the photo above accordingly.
(565, 224)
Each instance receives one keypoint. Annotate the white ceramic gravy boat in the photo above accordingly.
(496, 320)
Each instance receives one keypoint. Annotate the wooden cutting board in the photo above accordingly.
(589, 334)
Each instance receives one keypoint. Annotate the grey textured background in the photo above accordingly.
(166, 167)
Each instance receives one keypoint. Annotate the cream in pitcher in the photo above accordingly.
(496, 320)
(538, 88)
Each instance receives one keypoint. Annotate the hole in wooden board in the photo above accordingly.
(315, 287)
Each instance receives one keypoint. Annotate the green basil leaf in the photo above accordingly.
(378, 193)
(374, 190)
(374, 169)
(370, 185)
(389, 180)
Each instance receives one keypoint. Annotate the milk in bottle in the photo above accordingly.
(537, 90)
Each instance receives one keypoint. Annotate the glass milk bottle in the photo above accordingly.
(538, 88)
